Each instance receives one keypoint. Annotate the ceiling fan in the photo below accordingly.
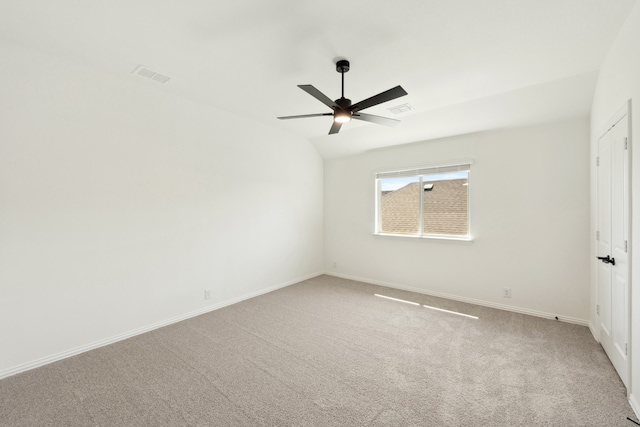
(343, 110)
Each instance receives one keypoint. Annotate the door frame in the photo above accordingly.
(625, 110)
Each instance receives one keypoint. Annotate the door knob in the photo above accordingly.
(607, 260)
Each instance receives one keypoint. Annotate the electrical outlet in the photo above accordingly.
(506, 292)
(207, 294)
(335, 264)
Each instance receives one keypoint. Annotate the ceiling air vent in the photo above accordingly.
(150, 74)
(399, 109)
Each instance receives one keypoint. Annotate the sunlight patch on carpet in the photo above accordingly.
(449, 311)
(396, 299)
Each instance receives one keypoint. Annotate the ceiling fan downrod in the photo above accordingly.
(342, 67)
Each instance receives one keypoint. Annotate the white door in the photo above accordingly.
(613, 245)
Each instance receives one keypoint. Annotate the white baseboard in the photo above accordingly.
(594, 332)
(635, 405)
(101, 343)
(505, 307)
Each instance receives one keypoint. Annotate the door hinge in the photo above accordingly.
(598, 161)
(626, 246)
(626, 143)
(626, 349)
(598, 309)
(597, 235)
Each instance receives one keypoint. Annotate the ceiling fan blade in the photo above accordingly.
(319, 96)
(385, 96)
(305, 115)
(375, 119)
(335, 128)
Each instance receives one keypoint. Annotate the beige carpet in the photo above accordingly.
(327, 352)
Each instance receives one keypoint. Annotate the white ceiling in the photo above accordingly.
(467, 65)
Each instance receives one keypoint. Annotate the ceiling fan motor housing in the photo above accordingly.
(343, 103)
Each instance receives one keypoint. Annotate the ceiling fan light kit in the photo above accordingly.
(343, 110)
(342, 116)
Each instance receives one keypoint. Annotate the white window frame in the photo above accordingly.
(457, 165)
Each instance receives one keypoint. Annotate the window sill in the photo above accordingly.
(465, 239)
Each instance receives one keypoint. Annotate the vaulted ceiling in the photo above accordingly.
(467, 65)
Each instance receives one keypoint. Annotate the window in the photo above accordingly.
(425, 202)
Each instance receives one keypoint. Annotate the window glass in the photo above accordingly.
(445, 205)
(427, 202)
(400, 205)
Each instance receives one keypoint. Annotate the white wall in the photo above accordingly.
(529, 195)
(120, 204)
(619, 80)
